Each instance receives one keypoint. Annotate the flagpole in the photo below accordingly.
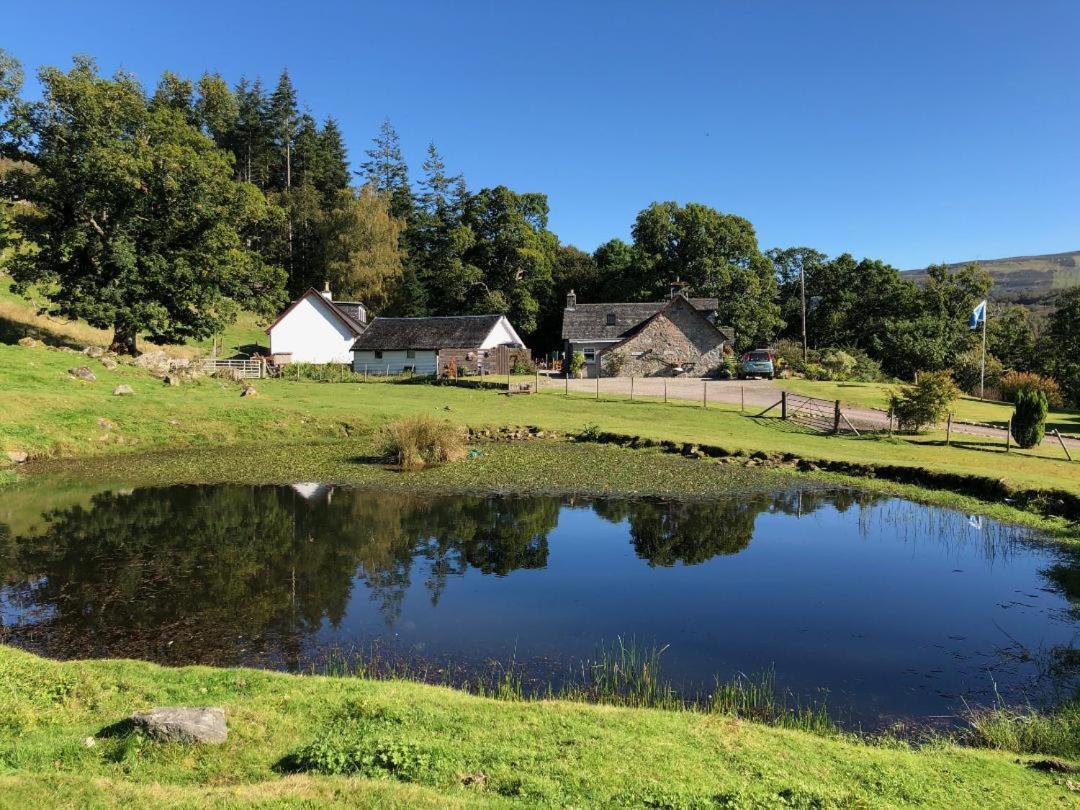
(982, 371)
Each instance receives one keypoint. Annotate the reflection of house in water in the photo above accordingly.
(314, 491)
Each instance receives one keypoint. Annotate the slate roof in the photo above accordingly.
(724, 334)
(440, 332)
(353, 309)
(587, 322)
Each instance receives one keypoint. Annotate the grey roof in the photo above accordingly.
(589, 321)
(444, 332)
(354, 309)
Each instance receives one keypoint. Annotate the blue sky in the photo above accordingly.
(909, 131)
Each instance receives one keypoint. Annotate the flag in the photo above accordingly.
(978, 316)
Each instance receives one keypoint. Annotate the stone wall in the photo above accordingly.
(678, 337)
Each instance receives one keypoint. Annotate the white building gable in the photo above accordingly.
(313, 331)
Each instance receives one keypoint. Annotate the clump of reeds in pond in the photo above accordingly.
(756, 697)
(415, 442)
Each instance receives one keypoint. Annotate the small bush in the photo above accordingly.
(1016, 381)
(1029, 418)
(522, 365)
(577, 364)
(415, 442)
(924, 403)
(839, 364)
(788, 354)
(614, 363)
(867, 369)
(729, 368)
(967, 371)
(815, 371)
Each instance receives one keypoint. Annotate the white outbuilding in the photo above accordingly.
(317, 329)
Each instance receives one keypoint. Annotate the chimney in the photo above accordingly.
(329, 296)
(678, 287)
(571, 300)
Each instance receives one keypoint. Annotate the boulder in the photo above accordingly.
(157, 361)
(171, 379)
(178, 362)
(109, 363)
(82, 373)
(248, 391)
(105, 424)
(183, 725)
(93, 351)
(17, 456)
(226, 373)
(29, 342)
(123, 391)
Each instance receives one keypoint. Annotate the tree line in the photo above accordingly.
(163, 213)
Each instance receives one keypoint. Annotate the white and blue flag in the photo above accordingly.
(978, 316)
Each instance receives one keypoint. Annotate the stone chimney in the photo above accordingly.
(678, 287)
(571, 300)
(329, 296)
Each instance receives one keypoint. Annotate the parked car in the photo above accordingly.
(758, 363)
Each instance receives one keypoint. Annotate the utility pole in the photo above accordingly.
(982, 369)
(802, 297)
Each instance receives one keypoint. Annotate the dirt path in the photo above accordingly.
(755, 395)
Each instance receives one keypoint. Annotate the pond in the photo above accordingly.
(881, 608)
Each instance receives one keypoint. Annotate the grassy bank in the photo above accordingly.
(406, 744)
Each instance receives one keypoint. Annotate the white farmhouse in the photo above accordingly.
(484, 343)
(317, 329)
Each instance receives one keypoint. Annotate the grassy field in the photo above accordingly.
(19, 318)
(64, 742)
(48, 412)
(968, 409)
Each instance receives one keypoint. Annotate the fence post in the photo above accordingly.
(704, 393)
(742, 399)
(836, 417)
(598, 383)
(665, 390)
(536, 389)
(1061, 441)
(890, 422)
(948, 430)
(1008, 435)
(631, 387)
(783, 404)
(566, 377)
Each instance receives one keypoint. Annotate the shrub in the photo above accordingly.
(867, 369)
(522, 365)
(924, 403)
(789, 353)
(1016, 381)
(967, 368)
(815, 371)
(729, 368)
(577, 364)
(614, 363)
(415, 442)
(1029, 418)
(838, 364)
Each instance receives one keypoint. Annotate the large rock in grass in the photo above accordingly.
(183, 725)
(28, 342)
(93, 351)
(123, 391)
(155, 362)
(109, 363)
(249, 391)
(82, 373)
(17, 456)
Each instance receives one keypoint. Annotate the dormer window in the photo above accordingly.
(611, 319)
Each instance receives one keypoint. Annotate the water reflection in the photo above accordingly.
(837, 589)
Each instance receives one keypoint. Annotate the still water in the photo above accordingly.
(882, 608)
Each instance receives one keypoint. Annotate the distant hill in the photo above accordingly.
(1029, 280)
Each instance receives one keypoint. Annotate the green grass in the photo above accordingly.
(967, 409)
(46, 412)
(406, 744)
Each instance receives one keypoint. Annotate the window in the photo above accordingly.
(590, 355)
(408, 369)
(378, 355)
(611, 319)
(410, 353)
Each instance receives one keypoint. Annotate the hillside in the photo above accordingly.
(1030, 280)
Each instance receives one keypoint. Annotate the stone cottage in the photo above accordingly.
(655, 339)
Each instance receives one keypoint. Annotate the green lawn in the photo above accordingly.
(63, 742)
(47, 412)
(968, 409)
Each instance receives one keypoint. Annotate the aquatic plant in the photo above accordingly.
(418, 441)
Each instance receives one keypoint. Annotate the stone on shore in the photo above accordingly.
(183, 725)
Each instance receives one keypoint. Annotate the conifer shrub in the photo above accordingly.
(1029, 417)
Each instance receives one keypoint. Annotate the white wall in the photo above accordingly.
(500, 335)
(311, 333)
(397, 361)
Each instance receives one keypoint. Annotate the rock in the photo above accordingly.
(89, 742)
(179, 362)
(93, 351)
(184, 725)
(105, 424)
(109, 363)
(171, 379)
(82, 373)
(29, 342)
(123, 391)
(17, 456)
(1053, 766)
(157, 361)
(249, 391)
